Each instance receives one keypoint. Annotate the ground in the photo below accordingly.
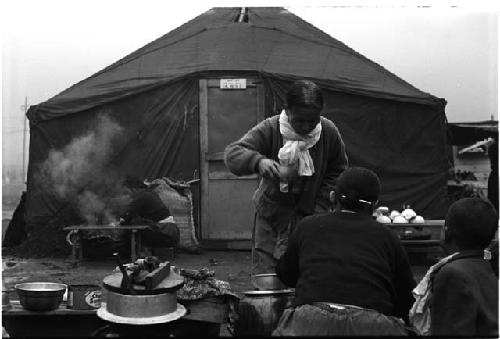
(230, 266)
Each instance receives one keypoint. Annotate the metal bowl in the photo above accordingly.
(40, 296)
(267, 282)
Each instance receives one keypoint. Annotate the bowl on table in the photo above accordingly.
(267, 282)
(40, 296)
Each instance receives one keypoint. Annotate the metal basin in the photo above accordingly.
(40, 296)
(267, 281)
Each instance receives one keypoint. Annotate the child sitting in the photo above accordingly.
(460, 293)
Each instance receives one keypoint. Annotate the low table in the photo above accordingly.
(435, 227)
(135, 239)
(204, 318)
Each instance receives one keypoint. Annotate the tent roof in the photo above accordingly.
(464, 133)
(273, 40)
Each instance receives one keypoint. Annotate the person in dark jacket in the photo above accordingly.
(299, 155)
(465, 289)
(351, 274)
(493, 176)
(146, 208)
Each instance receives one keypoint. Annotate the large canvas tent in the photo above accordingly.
(176, 115)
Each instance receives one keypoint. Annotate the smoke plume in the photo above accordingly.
(80, 172)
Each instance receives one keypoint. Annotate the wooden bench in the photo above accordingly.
(204, 318)
(76, 246)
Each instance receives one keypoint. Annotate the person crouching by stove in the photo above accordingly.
(147, 208)
(351, 274)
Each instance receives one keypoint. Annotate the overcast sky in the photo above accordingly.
(448, 51)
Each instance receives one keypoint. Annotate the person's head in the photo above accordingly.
(304, 103)
(357, 189)
(470, 224)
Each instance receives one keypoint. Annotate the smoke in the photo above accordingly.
(80, 172)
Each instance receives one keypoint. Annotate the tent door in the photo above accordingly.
(227, 212)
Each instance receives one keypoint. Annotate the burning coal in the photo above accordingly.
(80, 172)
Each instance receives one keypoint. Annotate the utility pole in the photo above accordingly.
(25, 108)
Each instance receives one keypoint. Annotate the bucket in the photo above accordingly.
(260, 311)
(84, 297)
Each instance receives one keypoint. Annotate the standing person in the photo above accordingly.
(351, 274)
(461, 291)
(299, 155)
(493, 177)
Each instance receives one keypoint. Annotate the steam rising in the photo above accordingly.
(80, 172)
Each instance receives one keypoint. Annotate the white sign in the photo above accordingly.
(233, 83)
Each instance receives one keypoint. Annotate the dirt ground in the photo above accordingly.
(230, 266)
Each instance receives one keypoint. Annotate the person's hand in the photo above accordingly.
(268, 168)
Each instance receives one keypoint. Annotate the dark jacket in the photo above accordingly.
(465, 298)
(264, 141)
(146, 204)
(348, 258)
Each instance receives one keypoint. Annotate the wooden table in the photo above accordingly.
(436, 228)
(204, 318)
(135, 239)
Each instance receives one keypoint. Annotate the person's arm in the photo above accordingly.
(287, 268)
(404, 281)
(242, 156)
(453, 306)
(337, 163)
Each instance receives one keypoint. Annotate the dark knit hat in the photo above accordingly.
(358, 186)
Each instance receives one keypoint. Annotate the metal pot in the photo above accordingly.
(267, 282)
(40, 296)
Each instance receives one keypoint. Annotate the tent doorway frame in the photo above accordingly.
(208, 159)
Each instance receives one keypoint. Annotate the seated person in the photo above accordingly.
(464, 298)
(351, 274)
(146, 208)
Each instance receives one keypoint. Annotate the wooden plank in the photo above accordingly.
(212, 310)
(155, 277)
(18, 310)
(261, 115)
(214, 156)
(230, 176)
(203, 163)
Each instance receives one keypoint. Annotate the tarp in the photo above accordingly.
(387, 124)
(272, 41)
(465, 133)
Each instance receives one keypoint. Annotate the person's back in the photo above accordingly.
(351, 274)
(349, 258)
(465, 301)
(465, 289)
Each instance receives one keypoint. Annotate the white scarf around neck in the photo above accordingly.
(296, 147)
